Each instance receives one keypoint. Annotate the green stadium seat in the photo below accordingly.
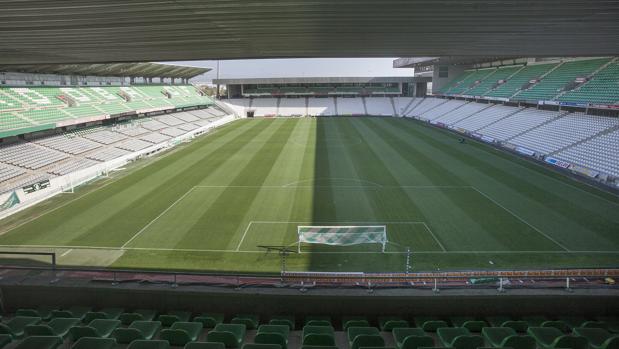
(551, 338)
(353, 332)
(505, 321)
(204, 345)
(388, 323)
(174, 316)
(288, 320)
(261, 346)
(137, 330)
(535, 320)
(318, 321)
(5, 339)
(470, 323)
(231, 335)
(72, 312)
(593, 324)
(138, 314)
(598, 338)
(40, 342)
(181, 333)
(411, 338)
(17, 325)
(272, 338)
(354, 321)
(282, 330)
(559, 325)
(459, 338)
(612, 323)
(45, 313)
(506, 337)
(318, 335)
(367, 341)
(94, 343)
(149, 344)
(56, 327)
(106, 313)
(250, 321)
(99, 328)
(209, 320)
(429, 323)
(319, 347)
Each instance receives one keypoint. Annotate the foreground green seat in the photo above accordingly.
(411, 338)
(429, 323)
(318, 347)
(5, 339)
(137, 330)
(181, 333)
(559, 325)
(45, 313)
(250, 321)
(598, 338)
(204, 345)
(318, 335)
(506, 337)
(105, 313)
(287, 320)
(209, 320)
(137, 315)
(365, 337)
(40, 342)
(388, 323)
(612, 323)
(354, 321)
(470, 323)
(17, 325)
(273, 334)
(72, 312)
(231, 335)
(94, 343)
(174, 316)
(56, 327)
(551, 338)
(504, 321)
(353, 332)
(459, 338)
(149, 344)
(317, 320)
(98, 328)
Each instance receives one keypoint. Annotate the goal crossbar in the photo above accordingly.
(338, 235)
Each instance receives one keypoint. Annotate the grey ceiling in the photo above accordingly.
(80, 31)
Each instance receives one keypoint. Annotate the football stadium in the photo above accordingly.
(471, 203)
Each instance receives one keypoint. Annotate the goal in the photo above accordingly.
(343, 235)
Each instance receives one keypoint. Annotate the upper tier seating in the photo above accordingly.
(493, 79)
(553, 83)
(469, 81)
(23, 107)
(603, 88)
(515, 83)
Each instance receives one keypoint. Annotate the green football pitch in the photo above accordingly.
(209, 205)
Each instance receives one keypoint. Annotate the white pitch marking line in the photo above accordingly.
(522, 220)
(66, 252)
(238, 247)
(435, 238)
(156, 218)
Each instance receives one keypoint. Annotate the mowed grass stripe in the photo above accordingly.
(570, 222)
(208, 222)
(461, 217)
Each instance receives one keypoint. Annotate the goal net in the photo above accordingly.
(343, 235)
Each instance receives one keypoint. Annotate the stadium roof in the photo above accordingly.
(318, 80)
(116, 69)
(80, 31)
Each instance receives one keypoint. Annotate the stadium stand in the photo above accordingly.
(485, 117)
(44, 157)
(25, 107)
(350, 106)
(321, 106)
(442, 109)
(602, 88)
(518, 123)
(522, 77)
(292, 107)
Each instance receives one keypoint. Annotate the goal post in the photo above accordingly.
(343, 235)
